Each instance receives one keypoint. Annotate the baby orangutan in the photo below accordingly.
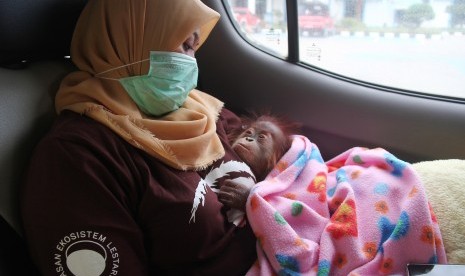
(260, 143)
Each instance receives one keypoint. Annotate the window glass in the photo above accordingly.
(415, 45)
(262, 22)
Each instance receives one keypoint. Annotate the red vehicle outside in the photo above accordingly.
(314, 18)
(246, 19)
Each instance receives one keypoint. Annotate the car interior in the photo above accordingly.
(337, 113)
(35, 42)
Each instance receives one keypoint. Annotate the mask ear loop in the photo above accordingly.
(116, 68)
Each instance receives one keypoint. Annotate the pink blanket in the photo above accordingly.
(364, 212)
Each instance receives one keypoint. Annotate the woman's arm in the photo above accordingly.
(78, 209)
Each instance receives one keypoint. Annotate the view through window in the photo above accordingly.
(262, 22)
(416, 45)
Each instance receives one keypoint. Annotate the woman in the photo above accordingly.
(125, 182)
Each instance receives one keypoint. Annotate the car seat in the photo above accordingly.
(34, 50)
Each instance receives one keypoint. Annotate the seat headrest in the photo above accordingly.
(31, 30)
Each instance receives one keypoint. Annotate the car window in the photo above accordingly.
(263, 23)
(408, 45)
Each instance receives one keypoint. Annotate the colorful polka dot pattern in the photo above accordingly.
(364, 212)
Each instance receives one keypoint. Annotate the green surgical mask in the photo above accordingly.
(165, 88)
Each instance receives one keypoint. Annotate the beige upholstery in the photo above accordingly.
(444, 181)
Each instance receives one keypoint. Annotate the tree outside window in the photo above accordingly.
(416, 14)
(457, 13)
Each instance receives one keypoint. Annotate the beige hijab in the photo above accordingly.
(114, 33)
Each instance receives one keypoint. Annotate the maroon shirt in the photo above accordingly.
(93, 203)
